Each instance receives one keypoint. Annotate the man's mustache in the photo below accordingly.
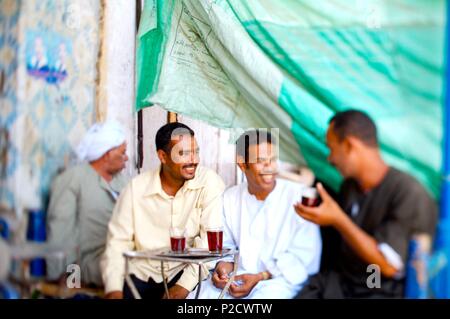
(269, 173)
(190, 166)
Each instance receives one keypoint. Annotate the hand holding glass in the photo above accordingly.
(310, 197)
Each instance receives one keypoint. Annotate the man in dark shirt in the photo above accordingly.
(380, 209)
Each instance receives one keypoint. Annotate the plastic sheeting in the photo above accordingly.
(292, 64)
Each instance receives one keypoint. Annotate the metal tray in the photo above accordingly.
(195, 253)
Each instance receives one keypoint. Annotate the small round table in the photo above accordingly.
(196, 257)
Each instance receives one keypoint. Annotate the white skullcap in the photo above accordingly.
(99, 139)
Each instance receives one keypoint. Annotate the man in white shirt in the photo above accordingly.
(179, 194)
(278, 250)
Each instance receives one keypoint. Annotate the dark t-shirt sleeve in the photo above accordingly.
(411, 211)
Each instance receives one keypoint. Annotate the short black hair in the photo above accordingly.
(252, 137)
(355, 123)
(164, 134)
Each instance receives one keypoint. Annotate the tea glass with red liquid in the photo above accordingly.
(177, 239)
(215, 239)
(310, 197)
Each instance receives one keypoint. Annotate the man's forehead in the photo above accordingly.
(264, 148)
(122, 146)
(183, 140)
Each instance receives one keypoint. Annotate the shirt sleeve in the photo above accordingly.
(410, 212)
(393, 258)
(302, 258)
(62, 222)
(119, 239)
(210, 216)
(228, 239)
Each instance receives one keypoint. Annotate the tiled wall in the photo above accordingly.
(9, 47)
(51, 49)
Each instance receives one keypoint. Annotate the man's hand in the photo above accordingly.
(220, 275)
(114, 295)
(248, 282)
(364, 245)
(177, 292)
(327, 214)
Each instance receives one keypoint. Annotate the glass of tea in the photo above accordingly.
(310, 197)
(177, 239)
(215, 238)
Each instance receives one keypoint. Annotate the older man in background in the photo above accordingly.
(82, 199)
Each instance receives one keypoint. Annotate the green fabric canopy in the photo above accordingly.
(292, 64)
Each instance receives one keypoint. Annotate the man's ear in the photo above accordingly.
(348, 144)
(106, 156)
(162, 156)
(240, 161)
(352, 143)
